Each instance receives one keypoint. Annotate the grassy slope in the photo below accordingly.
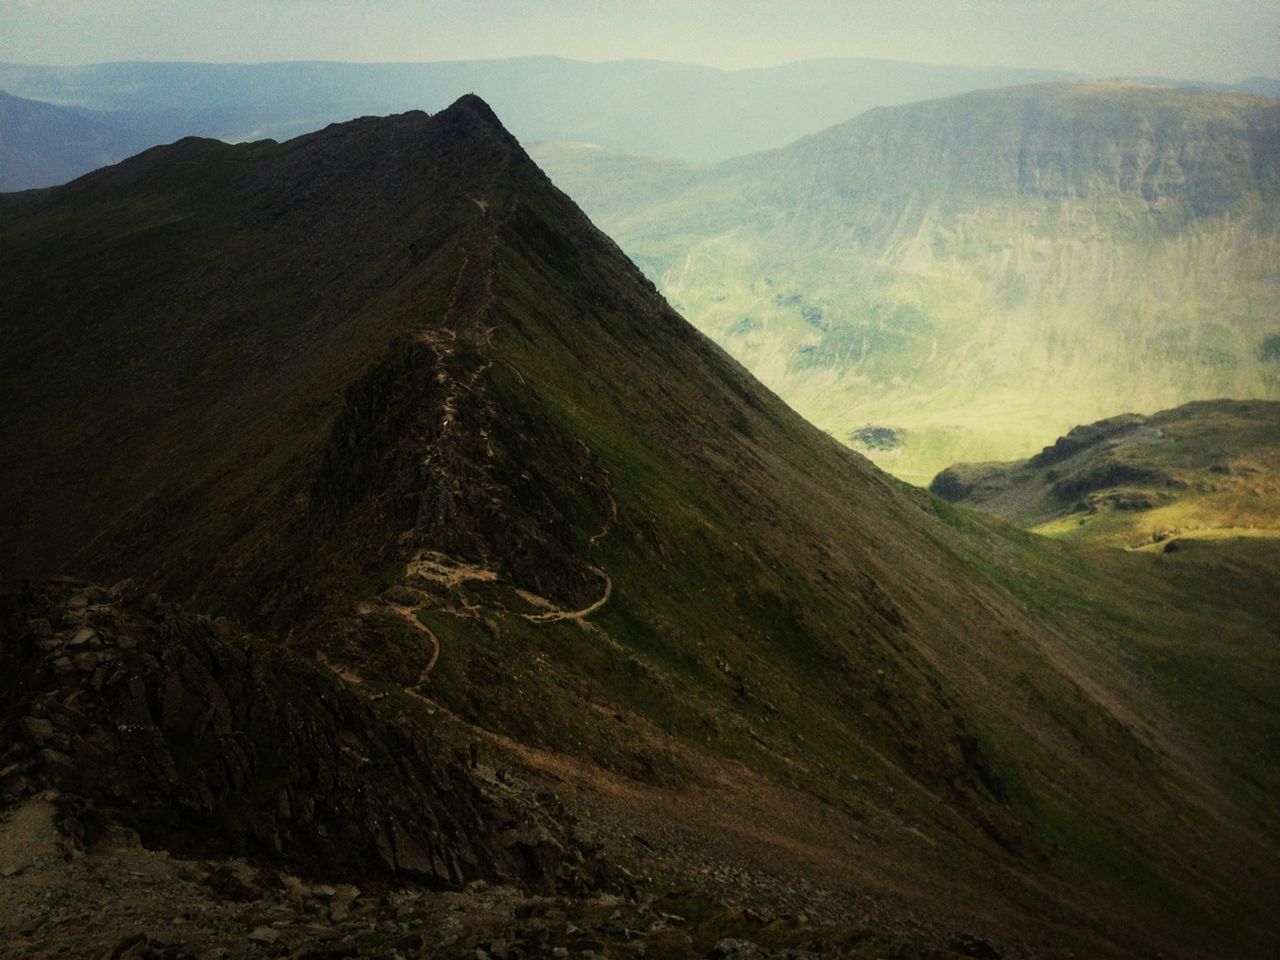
(966, 700)
(1033, 690)
(1203, 470)
(1063, 251)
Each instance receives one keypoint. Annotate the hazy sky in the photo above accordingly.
(1193, 39)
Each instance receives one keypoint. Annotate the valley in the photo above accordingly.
(961, 278)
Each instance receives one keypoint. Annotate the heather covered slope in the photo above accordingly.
(386, 395)
(957, 279)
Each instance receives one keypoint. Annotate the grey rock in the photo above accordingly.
(38, 730)
(82, 636)
(211, 743)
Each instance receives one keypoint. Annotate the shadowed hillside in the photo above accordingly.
(42, 145)
(385, 396)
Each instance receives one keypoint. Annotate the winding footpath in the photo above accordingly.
(411, 618)
(552, 615)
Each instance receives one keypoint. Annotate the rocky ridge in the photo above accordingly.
(205, 741)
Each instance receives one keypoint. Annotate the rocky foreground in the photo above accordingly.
(170, 789)
(117, 899)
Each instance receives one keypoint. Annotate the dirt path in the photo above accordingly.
(339, 670)
(438, 568)
(613, 506)
(465, 305)
(552, 616)
(411, 618)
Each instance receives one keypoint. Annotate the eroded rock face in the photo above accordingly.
(422, 457)
(1085, 436)
(209, 742)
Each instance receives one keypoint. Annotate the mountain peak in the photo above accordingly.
(473, 106)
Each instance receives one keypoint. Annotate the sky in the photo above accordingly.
(1226, 40)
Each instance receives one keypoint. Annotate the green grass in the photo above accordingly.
(1201, 471)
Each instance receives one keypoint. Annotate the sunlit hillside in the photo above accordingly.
(1203, 471)
(959, 279)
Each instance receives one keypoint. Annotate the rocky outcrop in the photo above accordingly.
(960, 481)
(1081, 438)
(422, 457)
(1105, 475)
(207, 742)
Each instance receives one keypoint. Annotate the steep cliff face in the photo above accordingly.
(1203, 153)
(979, 272)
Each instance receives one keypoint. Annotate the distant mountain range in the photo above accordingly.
(385, 397)
(42, 145)
(960, 278)
(698, 114)
(640, 106)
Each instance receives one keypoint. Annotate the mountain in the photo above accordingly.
(385, 398)
(1262, 86)
(1204, 470)
(42, 145)
(621, 105)
(624, 104)
(958, 279)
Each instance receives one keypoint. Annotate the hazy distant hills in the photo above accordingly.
(681, 110)
(42, 145)
(1261, 86)
(385, 395)
(957, 279)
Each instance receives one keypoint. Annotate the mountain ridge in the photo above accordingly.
(387, 396)
(622, 102)
(42, 145)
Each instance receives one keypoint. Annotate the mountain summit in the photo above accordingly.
(384, 395)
